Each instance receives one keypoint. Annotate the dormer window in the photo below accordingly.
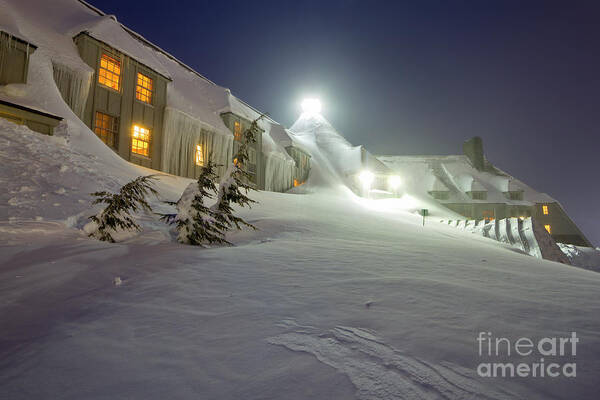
(478, 195)
(515, 195)
(545, 210)
(440, 194)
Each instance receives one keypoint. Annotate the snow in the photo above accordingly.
(214, 323)
(334, 296)
(526, 235)
(584, 257)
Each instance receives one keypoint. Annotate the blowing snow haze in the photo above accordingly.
(420, 189)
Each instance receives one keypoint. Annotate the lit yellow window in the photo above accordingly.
(140, 140)
(199, 155)
(237, 130)
(548, 228)
(143, 88)
(545, 210)
(109, 73)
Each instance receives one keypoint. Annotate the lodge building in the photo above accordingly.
(471, 186)
(123, 98)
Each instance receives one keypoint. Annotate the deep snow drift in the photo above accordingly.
(333, 297)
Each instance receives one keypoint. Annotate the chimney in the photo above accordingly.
(473, 148)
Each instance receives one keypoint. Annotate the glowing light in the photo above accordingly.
(394, 182)
(199, 155)
(311, 106)
(366, 178)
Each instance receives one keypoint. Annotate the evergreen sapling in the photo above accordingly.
(195, 221)
(117, 215)
(234, 186)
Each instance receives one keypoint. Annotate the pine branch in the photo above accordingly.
(119, 207)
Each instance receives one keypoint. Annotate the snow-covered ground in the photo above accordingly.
(333, 297)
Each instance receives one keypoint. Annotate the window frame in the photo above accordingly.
(479, 195)
(115, 132)
(144, 74)
(110, 55)
(545, 210)
(133, 137)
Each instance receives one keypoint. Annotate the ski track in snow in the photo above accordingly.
(379, 371)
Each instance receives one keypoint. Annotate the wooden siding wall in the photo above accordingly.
(14, 59)
(123, 103)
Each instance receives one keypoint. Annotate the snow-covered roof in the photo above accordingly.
(455, 173)
(106, 29)
(438, 186)
(9, 24)
(514, 186)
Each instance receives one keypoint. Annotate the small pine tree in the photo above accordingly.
(235, 181)
(117, 214)
(195, 221)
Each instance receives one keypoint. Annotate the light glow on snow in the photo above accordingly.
(311, 106)
(366, 179)
(406, 203)
(394, 182)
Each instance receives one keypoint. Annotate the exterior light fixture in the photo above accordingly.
(311, 106)
(394, 182)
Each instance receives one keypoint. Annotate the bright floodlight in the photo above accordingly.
(394, 182)
(366, 178)
(311, 106)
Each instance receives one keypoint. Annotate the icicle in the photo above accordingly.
(74, 86)
(181, 134)
(279, 173)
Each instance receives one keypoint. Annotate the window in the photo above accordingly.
(107, 128)
(110, 72)
(237, 130)
(440, 195)
(479, 195)
(143, 88)
(545, 210)
(199, 155)
(140, 141)
(548, 228)
(515, 195)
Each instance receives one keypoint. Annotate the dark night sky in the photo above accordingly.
(415, 77)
